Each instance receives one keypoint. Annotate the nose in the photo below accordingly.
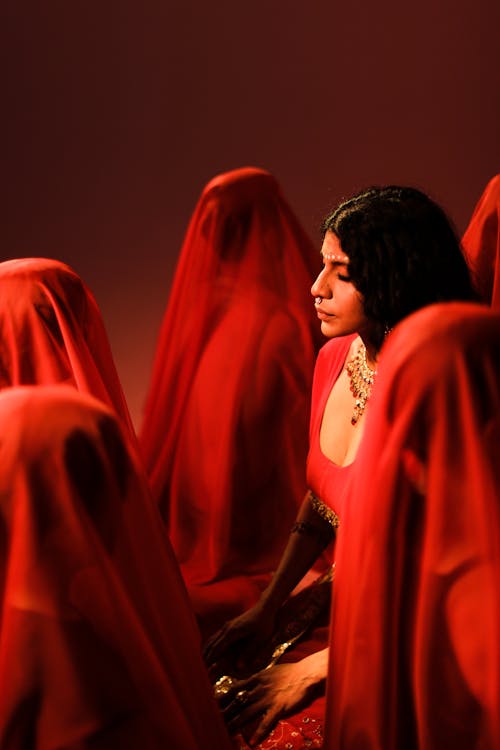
(320, 287)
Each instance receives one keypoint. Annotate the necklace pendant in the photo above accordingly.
(358, 410)
(361, 378)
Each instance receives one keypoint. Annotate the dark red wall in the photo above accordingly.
(116, 113)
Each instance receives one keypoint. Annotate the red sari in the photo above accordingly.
(415, 634)
(481, 244)
(98, 645)
(51, 331)
(224, 436)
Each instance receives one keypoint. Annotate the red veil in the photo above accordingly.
(415, 636)
(98, 645)
(481, 243)
(51, 331)
(225, 429)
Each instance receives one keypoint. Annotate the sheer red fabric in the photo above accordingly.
(481, 243)
(51, 331)
(224, 435)
(415, 639)
(98, 644)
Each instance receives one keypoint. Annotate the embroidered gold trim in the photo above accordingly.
(324, 511)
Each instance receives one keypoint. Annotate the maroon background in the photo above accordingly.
(116, 113)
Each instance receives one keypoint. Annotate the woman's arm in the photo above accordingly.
(310, 535)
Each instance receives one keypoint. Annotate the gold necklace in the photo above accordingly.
(361, 377)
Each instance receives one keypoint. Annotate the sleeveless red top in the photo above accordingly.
(327, 480)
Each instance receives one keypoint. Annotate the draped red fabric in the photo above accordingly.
(51, 331)
(415, 632)
(98, 644)
(224, 435)
(481, 243)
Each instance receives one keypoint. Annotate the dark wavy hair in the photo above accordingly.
(403, 253)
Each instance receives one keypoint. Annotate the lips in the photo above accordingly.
(322, 315)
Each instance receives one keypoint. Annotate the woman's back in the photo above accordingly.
(224, 436)
(98, 644)
(415, 661)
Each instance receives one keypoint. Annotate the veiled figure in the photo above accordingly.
(98, 644)
(481, 243)
(224, 434)
(51, 331)
(415, 654)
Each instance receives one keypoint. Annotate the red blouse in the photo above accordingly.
(415, 632)
(98, 644)
(325, 479)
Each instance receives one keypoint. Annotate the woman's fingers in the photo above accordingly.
(269, 720)
(211, 642)
(226, 637)
(219, 642)
(244, 707)
(240, 693)
(270, 695)
(252, 706)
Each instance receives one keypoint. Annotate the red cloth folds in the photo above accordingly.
(98, 645)
(51, 331)
(481, 244)
(415, 632)
(224, 435)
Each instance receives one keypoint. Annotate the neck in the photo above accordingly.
(371, 352)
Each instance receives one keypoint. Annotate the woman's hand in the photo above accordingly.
(274, 693)
(250, 632)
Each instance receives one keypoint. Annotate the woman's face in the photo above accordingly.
(338, 303)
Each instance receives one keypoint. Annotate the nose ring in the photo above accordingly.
(318, 300)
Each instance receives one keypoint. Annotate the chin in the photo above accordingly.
(329, 330)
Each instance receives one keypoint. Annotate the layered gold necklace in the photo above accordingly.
(361, 378)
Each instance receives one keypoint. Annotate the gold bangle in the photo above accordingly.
(324, 511)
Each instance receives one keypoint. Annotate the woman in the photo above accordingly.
(224, 435)
(386, 252)
(98, 646)
(51, 331)
(415, 657)
(481, 243)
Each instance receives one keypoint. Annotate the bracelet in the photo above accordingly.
(324, 511)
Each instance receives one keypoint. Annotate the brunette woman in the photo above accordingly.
(386, 252)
